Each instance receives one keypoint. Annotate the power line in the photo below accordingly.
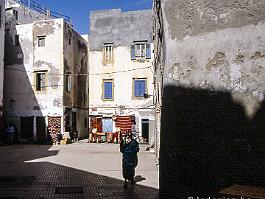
(81, 74)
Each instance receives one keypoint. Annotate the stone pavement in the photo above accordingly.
(79, 170)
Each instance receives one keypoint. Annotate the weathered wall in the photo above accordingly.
(122, 28)
(19, 97)
(2, 44)
(76, 63)
(21, 63)
(213, 98)
(50, 58)
(123, 84)
(209, 46)
(25, 14)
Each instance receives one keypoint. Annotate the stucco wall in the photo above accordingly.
(213, 100)
(2, 44)
(25, 14)
(76, 64)
(124, 71)
(50, 58)
(22, 63)
(122, 28)
(209, 46)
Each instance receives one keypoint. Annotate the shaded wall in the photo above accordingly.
(2, 40)
(76, 65)
(22, 61)
(19, 97)
(213, 81)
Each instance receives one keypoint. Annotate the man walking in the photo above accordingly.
(129, 149)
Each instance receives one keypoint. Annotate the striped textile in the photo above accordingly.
(124, 123)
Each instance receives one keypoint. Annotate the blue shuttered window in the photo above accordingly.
(148, 51)
(108, 88)
(132, 52)
(141, 51)
(139, 87)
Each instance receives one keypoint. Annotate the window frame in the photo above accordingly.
(40, 88)
(141, 50)
(103, 89)
(133, 88)
(68, 83)
(43, 42)
(15, 13)
(16, 43)
(108, 55)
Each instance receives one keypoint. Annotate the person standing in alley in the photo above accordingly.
(10, 133)
(129, 148)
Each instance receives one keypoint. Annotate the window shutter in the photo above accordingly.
(43, 82)
(139, 88)
(148, 51)
(132, 52)
(142, 88)
(136, 89)
(108, 90)
(104, 59)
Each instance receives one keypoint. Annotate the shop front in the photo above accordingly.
(109, 129)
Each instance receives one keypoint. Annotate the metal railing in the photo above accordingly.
(41, 9)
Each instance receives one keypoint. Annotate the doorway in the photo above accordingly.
(41, 130)
(26, 124)
(145, 129)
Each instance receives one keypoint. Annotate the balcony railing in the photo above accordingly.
(41, 9)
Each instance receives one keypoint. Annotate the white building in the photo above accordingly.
(45, 79)
(121, 73)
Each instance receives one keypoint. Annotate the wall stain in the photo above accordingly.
(239, 59)
(219, 59)
(257, 55)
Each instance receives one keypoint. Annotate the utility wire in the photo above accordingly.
(81, 74)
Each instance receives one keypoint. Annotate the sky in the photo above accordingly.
(79, 10)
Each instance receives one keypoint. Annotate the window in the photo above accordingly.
(16, 40)
(140, 50)
(68, 83)
(139, 87)
(40, 81)
(41, 41)
(15, 13)
(108, 89)
(108, 53)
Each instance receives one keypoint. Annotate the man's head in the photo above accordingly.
(128, 139)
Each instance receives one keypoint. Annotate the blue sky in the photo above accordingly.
(79, 10)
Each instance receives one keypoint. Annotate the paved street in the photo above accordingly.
(78, 170)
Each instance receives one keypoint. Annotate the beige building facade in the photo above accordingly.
(45, 78)
(120, 69)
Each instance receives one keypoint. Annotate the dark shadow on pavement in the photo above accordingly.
(208, 143)
(139, 178)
